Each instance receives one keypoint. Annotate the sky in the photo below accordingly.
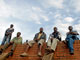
(29, 15)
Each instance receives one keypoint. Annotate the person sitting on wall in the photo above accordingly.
(39, 38)
(16, 40)
(70, 38)
(51, 44)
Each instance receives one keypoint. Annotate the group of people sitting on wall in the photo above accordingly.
(39, 38)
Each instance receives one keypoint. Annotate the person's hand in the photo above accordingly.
(52, 38)
(37, 40)
(7, 33)
(10, 33)
(11, 42)
(74, 33)
(70, 33)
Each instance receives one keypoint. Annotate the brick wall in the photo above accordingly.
(21, 48)
(61, 53)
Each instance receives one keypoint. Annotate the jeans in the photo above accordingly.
(70, 40)
(6, 39)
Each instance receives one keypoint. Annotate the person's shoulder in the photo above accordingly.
(12, 28)
(74, 31)
(44, 32)
(21, 37)
(14, 37)
(59, 32)
(51, 34)
(7, 29)
(67, 33)
(36, 33)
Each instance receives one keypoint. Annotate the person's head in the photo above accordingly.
(18, 34)
(55, 29)
(11, 26)
(41, 30)
(70, 28)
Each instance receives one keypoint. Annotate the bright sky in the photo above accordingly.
(29, 15)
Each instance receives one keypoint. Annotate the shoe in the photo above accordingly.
(1, 51)
(39, 54)
(52, 51)
(11, 53)
(24, 54)
(48, 49)
(71, 53)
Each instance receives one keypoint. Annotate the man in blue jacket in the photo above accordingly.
(71, 37)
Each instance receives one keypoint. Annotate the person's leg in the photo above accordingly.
(70, 45)
(12, 49)
(8, 39)
(48, 49)
(40, 47)
(4, 55)
(25, 53)
(49, 43)
(4, 47)
(27, 48)
(54, 44)
(40, 44)
(29, 44)
(4, 39)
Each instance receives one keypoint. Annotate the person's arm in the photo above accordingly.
(66, 35)
(12, 41)
(21, 40)
(11, 31)
(59, 37)
(50, 37)
(35, 38)
(74, 33)
(45, 38)
(6, 32)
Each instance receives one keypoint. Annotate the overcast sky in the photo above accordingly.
(29, 15)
